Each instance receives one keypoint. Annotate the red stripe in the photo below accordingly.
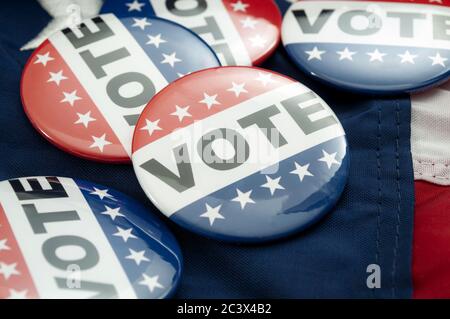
(55, 120)
(267, 14)
(431, 249)
(13, 255)
(189, 91)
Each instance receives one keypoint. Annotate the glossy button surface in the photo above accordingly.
(371, 46)
(85, 88)
(243, 32)
(240, 154)
(64, 238)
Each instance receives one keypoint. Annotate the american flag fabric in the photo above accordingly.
(369, 45)
(271, 193)
(242, 32)
(430, 120)
(91, 110)
(65, 238)
(338, 248)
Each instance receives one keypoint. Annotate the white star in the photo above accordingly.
(151, 282)
(15, 294)
(258, 41)
(100, 142)
(181, 112)
(330, 159)
(3, 245)
(243, 198)
(272, 184)
(437, 59)
(170, 59)
(238, 89)
(56, 77)
(112, 212)
(43, 58)
(137, 256)
(209, 100)
(249, 23)
(346, 54)
(70, 97)
(151, 126)
(240, 6)
(102, 193)
(301, 171)
(155, 40)
(141, 23)
(376, 55)
(85, 119)
(135, 5)
(265, 78)
(125, 234)
(8, 270)
(407, 57)
(212, 214)
(315, 53)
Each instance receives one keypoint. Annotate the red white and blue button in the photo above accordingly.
(64, 238)
(251, 156)
(85, 87)
(371, 46)
(242, 32)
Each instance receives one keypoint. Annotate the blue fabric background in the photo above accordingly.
(372, 223)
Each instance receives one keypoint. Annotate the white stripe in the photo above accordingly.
(430, 135)
(262, 154)
(389, 34)
(138, 61)
(217, 10)
(108, 270)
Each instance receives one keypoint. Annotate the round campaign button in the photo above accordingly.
(242, 32)
(84, 88)
(64, 238)
(371, 46)
(250, 156)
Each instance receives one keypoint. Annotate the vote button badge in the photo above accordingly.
(240, 154)
(241, 32)
(371, 46)
(63, 238)
(85, 87)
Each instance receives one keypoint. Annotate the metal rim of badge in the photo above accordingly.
(370, 46)
(83, 89)
(252, 156)
(242, 32)
(67, 238)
